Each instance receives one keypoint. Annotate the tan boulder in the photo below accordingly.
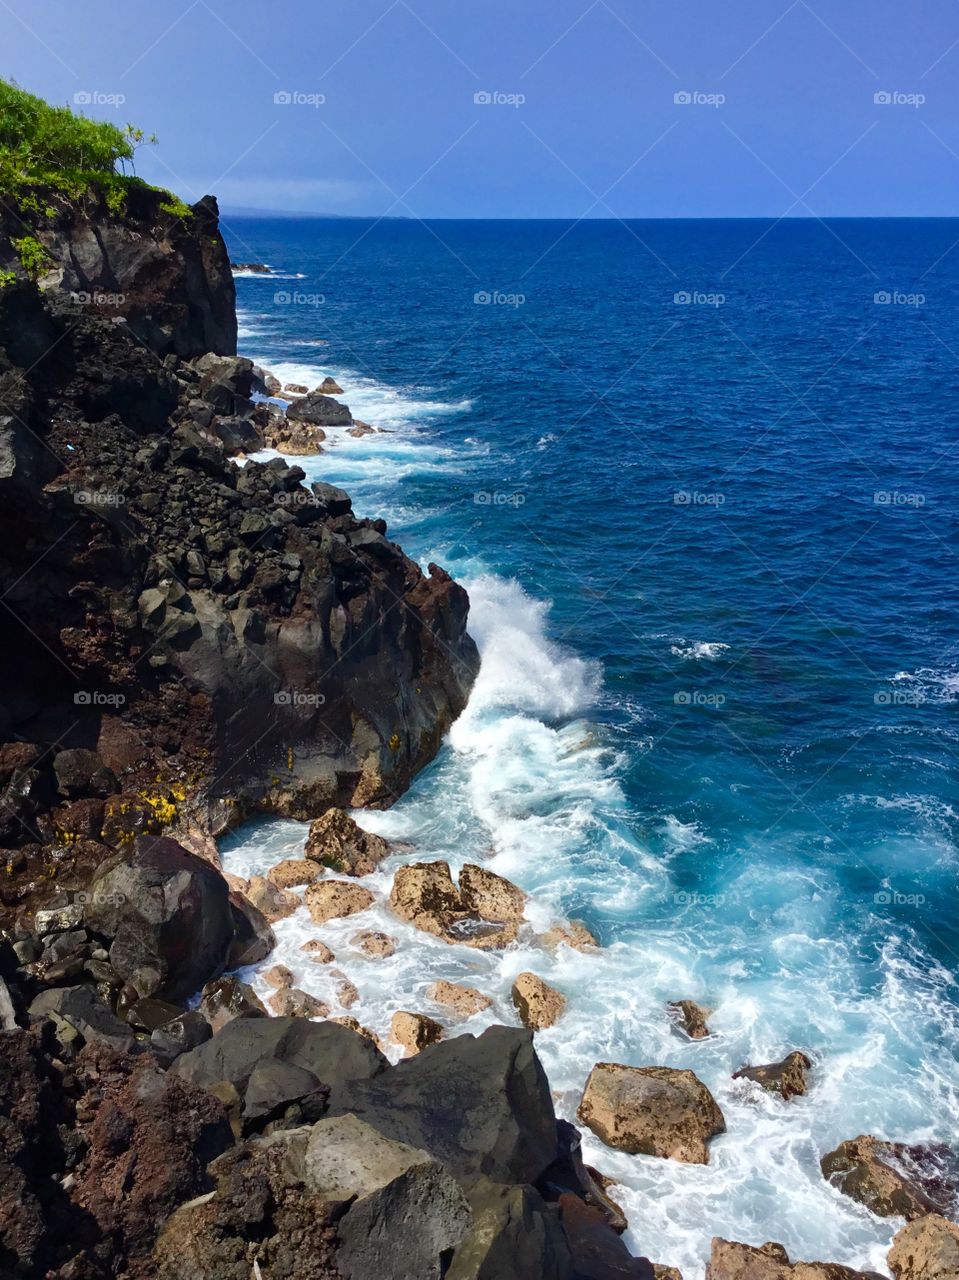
(731, 1261)
(297, 388)
(292, 872)
(374, 943)
(333, 899)
(490, 896)
(328, 387)
(291, 1002)
(691, 1018)
(318, 951)
(663, 1272)
(279, 976)
(893, 1179)
(538, 1004)
(270, 900)
(653, 1111)
(337, 842)
(236, 884)
(571, 934)
(787, 1078)
(926, 1249)
(346, 991)
(345, 1020)
(414, 1031)
(464, 1001)
(360, 429)
(298, 439)
(424, 895)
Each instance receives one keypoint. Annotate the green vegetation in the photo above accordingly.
(7, 278)
(33, 257)
(48, 151)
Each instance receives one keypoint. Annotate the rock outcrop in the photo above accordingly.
(788, 1078)
(653, 1111)
(338, 842)
(731, 1261)
(926, 1249)
(895, 1179)
(538, 1004)
(484, 911)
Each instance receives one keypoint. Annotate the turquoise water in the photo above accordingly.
(711, 551)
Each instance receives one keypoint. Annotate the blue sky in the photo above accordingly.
(598, 108)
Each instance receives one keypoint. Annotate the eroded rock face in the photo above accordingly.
(424, 895)
(787, 1078)
(653, 1111)
(731, 1261)
(926, 1249)
(538, 1004)
(337, 842)
(895, 1179)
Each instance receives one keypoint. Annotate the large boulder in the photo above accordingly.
(653, 1111)
(895, 1179)
(333, 899)
(731, 1261)
(166, 915)
(926, 1249)
(786, 1078)
(538, 1004)
(320, 410)
(484, 911)
(462, 1001)
(480, 1104)
(337, 842)
(515, 1236)
(80, 1017)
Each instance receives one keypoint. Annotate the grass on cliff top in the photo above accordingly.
(48, 149)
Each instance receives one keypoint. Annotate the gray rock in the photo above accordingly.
(183, 1033)
(83, 1010)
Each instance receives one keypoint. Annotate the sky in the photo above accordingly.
(519, 108)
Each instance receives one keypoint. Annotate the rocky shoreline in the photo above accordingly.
(197, 642)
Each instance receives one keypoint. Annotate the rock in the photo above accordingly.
(297, 388)
(490, 896)
(253, 939)
(320, 410)
(292, 872)
(336, 502)
(373, 943)
(568, 1174)
(655, 1111)
(226, 999)
(291, 1002)
(79, 772)
(183, 1033)
(318, 951)
(481, 1104)
(663, 1272)
(257, 268)
(147, 1015)
(82, 1011)
(572, 934)
(333, 899)
(298, 439)
(515, 1235)
(346, 992)
(464, 1001)
(424, 895)
(278, 977)
(894, 1179)
(787, 1078)
(926, 1249)
(414, 1031)
(731, 1261)
(272, 902)
(167, 916)
(344, 1020)
(691, 1017)
(8, 1014)
(337, 842)
(595, 1249)
(274, 1086)
(329, 387)
(360, 429)
(59, 919)
(538, 1004)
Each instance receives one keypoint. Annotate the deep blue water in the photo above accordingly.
(712, 546)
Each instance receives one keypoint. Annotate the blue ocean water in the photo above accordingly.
(700, 478)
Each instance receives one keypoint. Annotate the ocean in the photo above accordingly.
(700, 481)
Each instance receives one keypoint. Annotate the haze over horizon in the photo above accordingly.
(595, 109)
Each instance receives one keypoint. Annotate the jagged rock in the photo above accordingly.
(253, 939)
(329, 387)
(147, 1015)
(278, 977)
(360, 429)
(926, 1249)
(319, 410)
(661, 1271)
(424, 895)
(298, 439)
(568, 1174)
(515, 1235)
(180, 1035)
(731, 1261)
(226, 999)
(333, 899)
(291, 1002)
(691, 1017)
(274, 1086)
(79, 772)
(297, 388)
(318, 951)
(490, 896)
(337, 842)
(272, 902)
(538, 1004)
(572, 934)
(894, 1179)
(414, 1031)
(344, 1020)
(292, 872)
(656, 1111)
(374, 943)
(464, 1001)
(787, 1078)
(81, 1010)
(167, 916)
(595, 1249)
(346, 991)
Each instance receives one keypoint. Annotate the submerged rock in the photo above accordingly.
(787, 1078)
(653, 1111)
(464, 1001)
(691, 1017)
(894, 1179)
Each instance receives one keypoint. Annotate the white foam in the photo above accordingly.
(699, 650)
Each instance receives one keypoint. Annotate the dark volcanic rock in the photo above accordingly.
(320, 410)
(81, 1010)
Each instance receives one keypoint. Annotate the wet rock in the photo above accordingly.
(344, 1020)
(298, 439)
(360, 429)
(656, 1111)
(569, 1174)
(596, 1250)
(291, 1002)
(926, 1249)
(292, 872)
(424, 895)
(731, 1261)
(228, 998)
(296, 388)
(894, 1179)
(337, 842)
(463, 1001)
(490, 896)
(147, 1015)
(278, 977)
(333, 899)
(691, 1018)
(272, 902)
(787, 1078)
(346, 991)
(253, 939)
(538, 1004)
(374, 943)
(329, 387)
(414, 1031)
(318, 951)
(571, 934)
